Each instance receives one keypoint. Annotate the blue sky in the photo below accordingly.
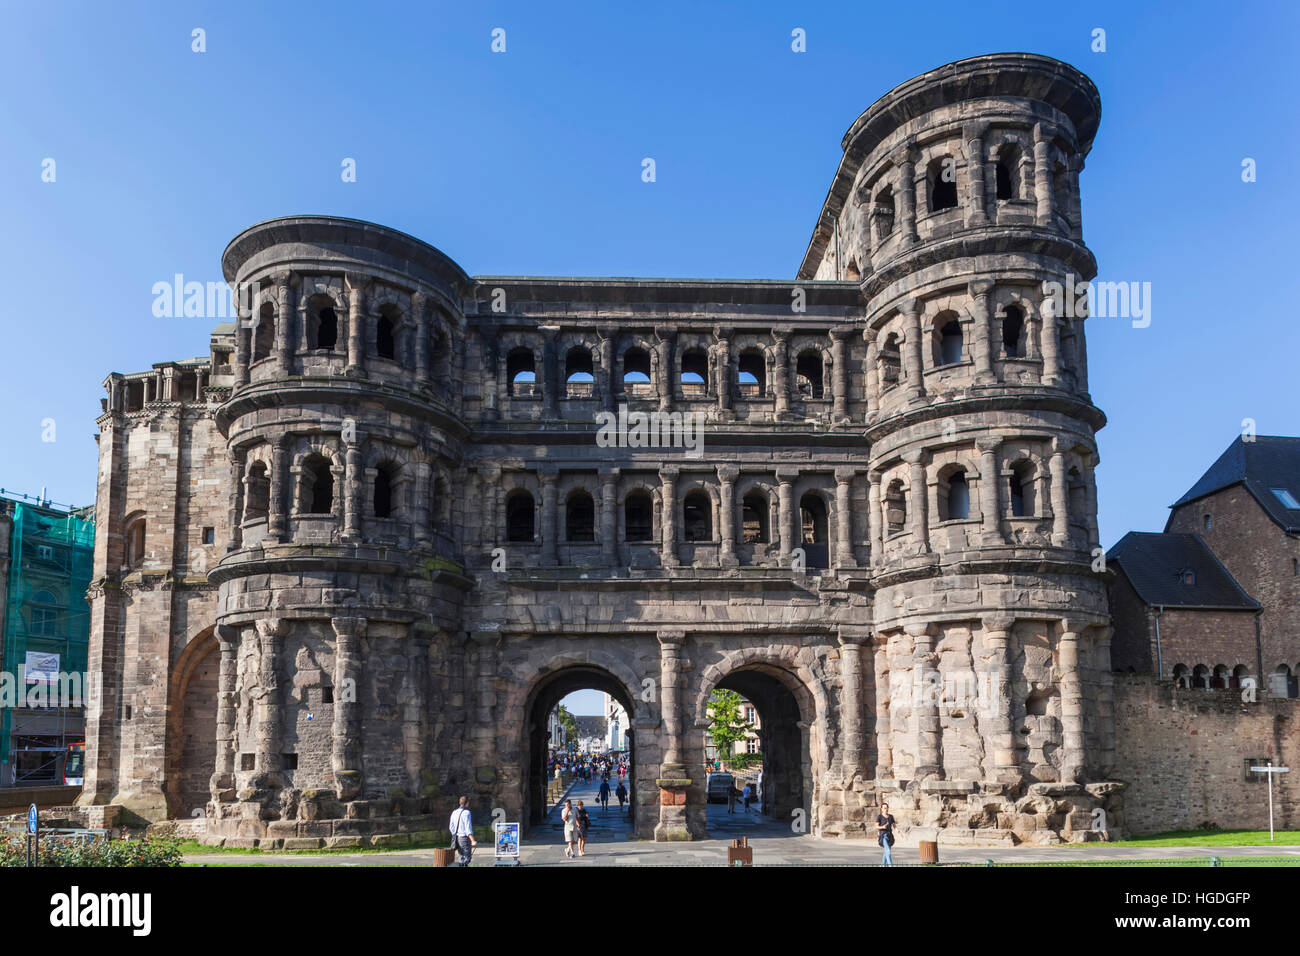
(529, 161)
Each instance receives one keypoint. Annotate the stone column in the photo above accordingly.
(609, 517)
(926, 702)
(976, 207)
(550, 516)
(884, 730)
(346, 731)
(420, 507)
(673, 778)
(170, 393)
(723, 370)
(853, 740)
(727, 475)
(1000, 749)
(874, 518)
(1090, 487)
(785, 500)
(268, 762)
(668, 515)
(1048, 344)
(415, 707)
(984, 339)
(916, 492)
(356, 325)
(1075, 211)
(243, 346)
(1060, 500)
(990, 508)
(284, 310)
(839, 375)
(550, 376)
(844, 518)
(781, 374)
(607, 366)
(667, 366)
(420, 309)
(223, 777)
(485, 726)
(1071, 689)
(1042, 177)
(277, 523)
(353, 492)
(872, 376)
(235, 512)
(912, 350)
(905, 159)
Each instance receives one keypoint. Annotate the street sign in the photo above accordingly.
(33, 819)
(1270, 770)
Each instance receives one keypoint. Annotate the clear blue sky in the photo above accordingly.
(529, 162)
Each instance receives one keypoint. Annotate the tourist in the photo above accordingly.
(732, 794)
(603, 794)
(621, 793)
(885, 833)
(570, 828)
(584, 824)
(749, 795)
(462, 832)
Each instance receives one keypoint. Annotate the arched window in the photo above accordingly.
(1284, 682)
(954, 495)
(751, 375)
(755, 513)
(135, 543)
(1022, 490)
(579, 379)
(891, 362)
(943, 184)
(948, 341)
(1077, 496)
(520, 512)
(521, 373)
(695, 373)
(1201, 677)
(385, 500)
(812, 527)
(636, 373)
(1181, 677)
(882, 214)
(1013, 332)
(895, 507)
(323, 322)
(638, 516)
(579, 517)
(697, 517)
(317, 493)
(257, 492)
(808, 374)
(264, 334)
(385, 338)
(1007, 174)
(1219, 680)
(1239, 675)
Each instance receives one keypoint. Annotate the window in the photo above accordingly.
(1208, 522)
(1007, 172)
(882, 214)
(44, 617)
(949, 342)
(579, 379)
(327, 695)
(521, 373)
(1187, 577)
(135, 544)
(808, 374)
(943, 184)
(636, 373)
(257, 492)
(895, 507)
(1003, 181)
(290, 761)
(1022, 490)
(385, 343)
(695, 373)
(891, 362)
(580, 517)
(264, 332)
(44, 552)
(209, 535)
(1295, 567)
(751, 746)
(317, 486)
(812, 525)
(749, 715)
(519, 516)
(697, 514)
(1013, 332)
(754, 518)
(638, 516)
(1248, 775)
(1284, 496)
(954, 501)
(751, 377)
(327, 329)
(385, 488)
(1181, 677)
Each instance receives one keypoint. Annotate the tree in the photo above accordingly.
(569, 723)
(727, 726)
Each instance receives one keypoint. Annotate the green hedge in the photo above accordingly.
(99, 852)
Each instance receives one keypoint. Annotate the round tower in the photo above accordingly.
(957, 207)
(344, 437)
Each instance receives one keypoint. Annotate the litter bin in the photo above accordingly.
(443, 856)
(929, 851)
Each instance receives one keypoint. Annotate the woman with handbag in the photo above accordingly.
(885, 833)
(584, 823)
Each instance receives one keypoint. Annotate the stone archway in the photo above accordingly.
(192, 726)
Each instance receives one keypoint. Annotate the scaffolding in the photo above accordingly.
(46, 635)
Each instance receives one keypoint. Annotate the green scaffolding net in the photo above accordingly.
(46, 640)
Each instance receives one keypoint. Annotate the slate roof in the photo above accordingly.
(1261, 465)
(1152, 563)
(592, 726)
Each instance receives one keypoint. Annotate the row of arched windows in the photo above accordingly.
(1282, 682)
(953, 495)
(316, 493)
(948, 344)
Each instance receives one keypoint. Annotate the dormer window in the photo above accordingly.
(1187, 577)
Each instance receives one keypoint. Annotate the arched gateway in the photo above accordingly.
(410, 530)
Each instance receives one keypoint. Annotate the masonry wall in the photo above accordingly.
(1183, 753)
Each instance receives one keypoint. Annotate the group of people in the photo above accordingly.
(589, 766)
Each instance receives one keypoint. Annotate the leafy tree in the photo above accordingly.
(727, 726)
(570, 724)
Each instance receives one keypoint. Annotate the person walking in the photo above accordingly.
(584, 824)
(462, 832)
(749, 795)
(885, 833)
(621, 793)
(570, 828)
(603, 795)
(732, 794)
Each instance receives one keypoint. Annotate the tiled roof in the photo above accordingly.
(1266, 463)
(1156, 566)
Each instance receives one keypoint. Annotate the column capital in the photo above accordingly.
(609, 476)
(348, 626)
(664, 332)
(486, 640)
(855, 634)
(356, 281)
(723, 332)
(272, 626)
(914, 456)
(728, 473)
(419, 302)
(998, 623)
(227, 636)
(974, 130)
(669, 472)
(607, 331)
(875, 475)
(845, 474)
(907, 152)
(989, 445)
(1074, 626)
(841, 333)
(910, 307)
(787, 475)
(284, 279)
(980, 286)
(919, 629)
(670, 637)
(548, 474)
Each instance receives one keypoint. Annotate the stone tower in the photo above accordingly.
(957, 207)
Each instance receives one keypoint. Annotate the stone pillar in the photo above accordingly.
(1049, 344)
(346, 731)
(485, 728)
(926, 702)
(667, 366)
(722, 371)
(420, 309)
(1000, 751)
(884, 730)
(839, 375)
(1075, 212)
(673, 778)
(727, 475)
(874, 518)
(415, 707)
(550, 376)
(853, 739)
(1060, 500)
(984, 339)
(1071, 689)
(668, 515)
(277, 522)
(243, 346)
(609, 517)
(235, 512)
(607, 366)
(912, 362)
(872, 374)
(785, 500)
(781, 374)
(356, 325)
(284, 310)
(1042, 177)
(420, 507)
(353, 492)
(976, 207)
(170, 393)
(844, 518)
(990, 508)
(223, 777)
(916, 492)
(1090, 487)
(268, 762)
(905, 159)
(550, 516)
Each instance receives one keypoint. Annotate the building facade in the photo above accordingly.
(347, 564)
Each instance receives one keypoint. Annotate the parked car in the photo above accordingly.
(718, 787)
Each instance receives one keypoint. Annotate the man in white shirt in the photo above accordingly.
(462, 832)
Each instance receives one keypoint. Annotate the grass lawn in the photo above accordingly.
(1207, 838)
(484, 836)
